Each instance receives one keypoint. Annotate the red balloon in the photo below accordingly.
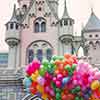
(97, 91)
(33, 88)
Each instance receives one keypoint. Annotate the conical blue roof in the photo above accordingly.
(93, 23)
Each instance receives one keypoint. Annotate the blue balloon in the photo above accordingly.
(65, 80)
(27, 82)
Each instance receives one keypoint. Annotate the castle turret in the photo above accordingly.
(12, 38)
(66, 32)
(91, 34)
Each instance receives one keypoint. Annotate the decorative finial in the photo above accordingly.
(14, 11)
(92, 10)
(65, 15)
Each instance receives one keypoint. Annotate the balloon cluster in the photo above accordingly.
(63, 78)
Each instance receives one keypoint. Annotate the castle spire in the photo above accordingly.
(13, 18)
(65, 14)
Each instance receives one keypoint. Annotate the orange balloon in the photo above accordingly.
(67, 56)
(58, 62)
(57, 71)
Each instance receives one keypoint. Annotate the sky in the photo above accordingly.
(79, 10)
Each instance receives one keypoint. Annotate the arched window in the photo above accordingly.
(43, 27)
(25, 6)
(91, 43)
(40, 54)
(40, 25)
(49, 54)
(30, 55)
(11, 26)
(65, 22)
(16, 26)
(37, 28)
(70, 23)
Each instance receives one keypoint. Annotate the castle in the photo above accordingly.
(36, 32)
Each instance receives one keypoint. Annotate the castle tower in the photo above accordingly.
(13, 39)
(91, 35)
(65, 33)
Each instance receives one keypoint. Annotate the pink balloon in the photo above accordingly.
(36, 64)
(59, 77)
(97, 75)
(52, 92)
(58, 84)
(29, 70)
(41, 80)
(54, 79)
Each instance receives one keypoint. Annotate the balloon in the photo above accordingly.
(29, 70)
(62, 78)
(95, 84)
(58, 84)
(41, 80)
(65, 80)
(33, 89)
(34, 76)
(35, 64)
(27, 82)
(42, 72)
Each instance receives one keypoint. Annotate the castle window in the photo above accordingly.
(11, 26)
(43, 27)
(16, 26)
(40, 25)
(90, 35)
(65, 22)
(96, 35)
(61, 23)
(40, 54)
(25, 6)
(37, 27)
(70, 23)
(90, 42)
(30, 55)
(97, 42)
(40, 9)
(49, 54)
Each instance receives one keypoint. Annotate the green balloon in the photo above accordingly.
(61, 58)
(52, 63)
(70, 73)
(81, 98)
(77, 89)
(73, 91)
(58, 96)
(68, 67)
(54, 57)
(42, 72)
(77, 98)
(45, 62)
(74, 67)
(58, 90)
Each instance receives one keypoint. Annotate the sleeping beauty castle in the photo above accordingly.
(36, 32)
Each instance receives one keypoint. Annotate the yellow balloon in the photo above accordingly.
(36, 73)
(34, 76)
(44, 96)
(95, 84)
(40, 88)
